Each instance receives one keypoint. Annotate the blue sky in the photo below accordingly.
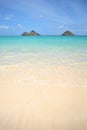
(47, 17)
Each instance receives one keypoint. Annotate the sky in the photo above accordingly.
(47, 17)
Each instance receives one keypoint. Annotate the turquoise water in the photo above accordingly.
(54, 50)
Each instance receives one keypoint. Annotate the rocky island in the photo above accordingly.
(67, 33)
(32, 33)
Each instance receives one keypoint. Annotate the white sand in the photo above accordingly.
(37, 97)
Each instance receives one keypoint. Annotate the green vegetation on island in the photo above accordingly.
(32, 33)
(67, 33)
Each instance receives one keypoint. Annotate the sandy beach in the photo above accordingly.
(37, 97)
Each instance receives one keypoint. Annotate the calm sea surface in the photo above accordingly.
(50, 50)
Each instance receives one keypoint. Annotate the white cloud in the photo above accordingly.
(16, 27)
(61, 26)
(8, 17)
(12, 27)
(4, 27)
(85, 30)
(39, 16)
(19, 26)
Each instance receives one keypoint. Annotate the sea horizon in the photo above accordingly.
(45, 35)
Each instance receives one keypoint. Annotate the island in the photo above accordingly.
(32, 33)
(67, 33)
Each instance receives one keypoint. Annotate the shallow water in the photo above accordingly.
(54, 50)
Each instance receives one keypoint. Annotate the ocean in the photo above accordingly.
(54, 50)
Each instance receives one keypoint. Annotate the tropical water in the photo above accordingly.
(54, 50)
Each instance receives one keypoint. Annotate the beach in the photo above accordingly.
(31, 98)
(43, 83)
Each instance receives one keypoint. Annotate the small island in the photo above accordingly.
(32, 33)
(67, 33)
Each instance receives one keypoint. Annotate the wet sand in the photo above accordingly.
(37, 97)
